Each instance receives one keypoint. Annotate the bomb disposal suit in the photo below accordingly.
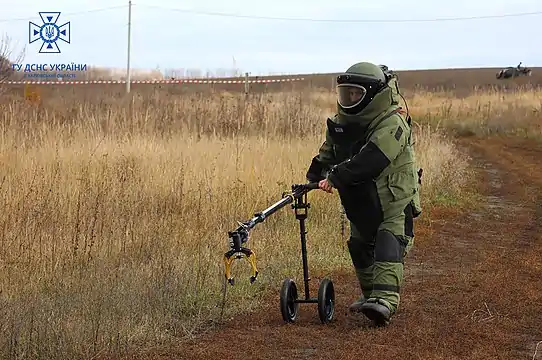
(368, 157)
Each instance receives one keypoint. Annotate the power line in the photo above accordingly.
(72, 13)
(257, 17)
(232, 15)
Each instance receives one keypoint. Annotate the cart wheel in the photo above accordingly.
(326, 301)
(288, 296)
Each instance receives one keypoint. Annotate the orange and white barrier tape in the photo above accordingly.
(180, 81)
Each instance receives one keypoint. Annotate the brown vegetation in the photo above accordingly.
(115, 209)
(7, 58)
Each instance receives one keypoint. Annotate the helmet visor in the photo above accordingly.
(350, 95)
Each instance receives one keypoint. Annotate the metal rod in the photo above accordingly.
(306, 301)
(277, 206)
(129, 41)
(304, 254)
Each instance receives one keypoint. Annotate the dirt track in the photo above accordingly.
(472, 288)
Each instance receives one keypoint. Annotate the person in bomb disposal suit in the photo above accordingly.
(368, 157)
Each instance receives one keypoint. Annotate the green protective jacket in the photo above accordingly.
(373, 146)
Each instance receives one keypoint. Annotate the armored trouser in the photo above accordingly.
(381, 235)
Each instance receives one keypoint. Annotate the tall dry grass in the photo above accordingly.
(515, 112)
(115, 213)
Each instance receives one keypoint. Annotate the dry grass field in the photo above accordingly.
(461, 82)
(116, 209)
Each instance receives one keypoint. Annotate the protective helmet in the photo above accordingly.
(357, 87)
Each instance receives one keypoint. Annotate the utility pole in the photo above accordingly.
(129, 40)
(247, 86)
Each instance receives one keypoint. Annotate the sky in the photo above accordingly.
(164, 37)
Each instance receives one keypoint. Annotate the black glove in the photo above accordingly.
(317, 171)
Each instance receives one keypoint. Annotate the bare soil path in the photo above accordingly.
(473, 285)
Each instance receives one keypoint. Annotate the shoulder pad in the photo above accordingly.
(403, 115)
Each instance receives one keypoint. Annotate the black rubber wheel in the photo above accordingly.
(288, 295)
(326, 301)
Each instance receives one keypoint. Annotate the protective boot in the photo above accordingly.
(355, 307)
(377, 310)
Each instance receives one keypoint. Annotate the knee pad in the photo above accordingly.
(361, 252)
(389, 247)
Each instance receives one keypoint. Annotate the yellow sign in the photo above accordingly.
(32, 94)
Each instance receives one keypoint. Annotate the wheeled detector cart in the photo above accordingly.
(289, 299)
